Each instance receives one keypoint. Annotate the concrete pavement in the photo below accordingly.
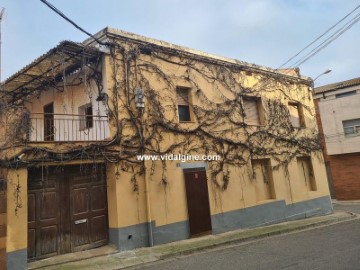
(334, 247)
(96, 259)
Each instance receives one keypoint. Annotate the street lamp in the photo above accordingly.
(312, 87)
(325, 72)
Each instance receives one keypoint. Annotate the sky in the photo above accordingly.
(263, 32)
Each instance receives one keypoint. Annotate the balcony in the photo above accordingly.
(50, 127)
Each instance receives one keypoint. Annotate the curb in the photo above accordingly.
(189, 251)
(164, 252)
(349, 202)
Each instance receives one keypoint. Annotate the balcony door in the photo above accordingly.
(49, 122)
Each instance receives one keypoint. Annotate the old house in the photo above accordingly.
(87, 128)
(339, 123)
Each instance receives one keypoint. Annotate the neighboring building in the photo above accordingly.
(339, 123)
(78, 120)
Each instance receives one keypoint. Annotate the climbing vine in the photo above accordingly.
(218, 89)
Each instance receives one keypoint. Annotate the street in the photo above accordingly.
(330, 247)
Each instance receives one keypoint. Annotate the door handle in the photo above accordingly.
(80, 221)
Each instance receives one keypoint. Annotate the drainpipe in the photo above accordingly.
(140, 105)
(148, 207)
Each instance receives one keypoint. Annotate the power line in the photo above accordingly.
(72, 22)
(322, 35)
(329, 40)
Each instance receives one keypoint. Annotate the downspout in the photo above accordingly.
(147, 185)
(148, 208)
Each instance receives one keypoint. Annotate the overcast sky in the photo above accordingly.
(264, 32)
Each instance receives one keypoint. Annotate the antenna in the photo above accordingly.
(1, 16)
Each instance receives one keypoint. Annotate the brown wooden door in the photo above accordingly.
(49, 128)
(67, 210)
(197, 196)
(88, 208)
(43, 213)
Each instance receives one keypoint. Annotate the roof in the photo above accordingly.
(337, 86)
(123, 35)
(48, 69)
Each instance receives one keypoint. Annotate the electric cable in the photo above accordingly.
(72, 22)
(319, 37)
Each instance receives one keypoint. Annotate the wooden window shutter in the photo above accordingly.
(294, 115)
(182, 96)
(251, 111)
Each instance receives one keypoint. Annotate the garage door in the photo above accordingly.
(67, 209)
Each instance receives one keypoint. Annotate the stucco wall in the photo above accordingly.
(67, 122)
(147, 200)
(332, 112)
(17, 217)
(168, 205)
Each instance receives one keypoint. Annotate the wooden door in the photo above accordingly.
(43, 213)
(67, 210)
(49, 127)
(197, 197)
(88, 207)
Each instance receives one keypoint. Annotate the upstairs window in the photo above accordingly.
(351, 127)
(346, 94)
(86, 112)
(252, 111)
(182, 95)
(296, 116)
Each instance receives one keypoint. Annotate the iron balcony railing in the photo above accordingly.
(50, 127)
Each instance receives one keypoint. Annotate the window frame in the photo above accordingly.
(86, 120)
(188, 105)
(268, 178)
(355, 127)
(346, 94)
(259, 108)
(312, 185)
(300, 114)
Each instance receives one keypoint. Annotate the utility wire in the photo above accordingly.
(301, 61)
(72, 22)
(329, 40)
(322, 35)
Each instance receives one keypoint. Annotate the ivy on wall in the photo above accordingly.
(218, 129)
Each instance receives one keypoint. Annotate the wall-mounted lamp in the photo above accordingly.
(139, 98)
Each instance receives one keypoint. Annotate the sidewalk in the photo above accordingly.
(108, 258)
(348, 202)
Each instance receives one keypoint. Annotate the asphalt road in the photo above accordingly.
(330, 247)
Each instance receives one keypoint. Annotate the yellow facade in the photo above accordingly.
(17, 210)
(153, 193)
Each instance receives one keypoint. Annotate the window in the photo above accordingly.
(251, 110)
(264, 180)
(351, 127)
(182, 95)
(86, 112)
(306, 173)
(49, 122)
(296, 116)
(346, 94)
(2, 184)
